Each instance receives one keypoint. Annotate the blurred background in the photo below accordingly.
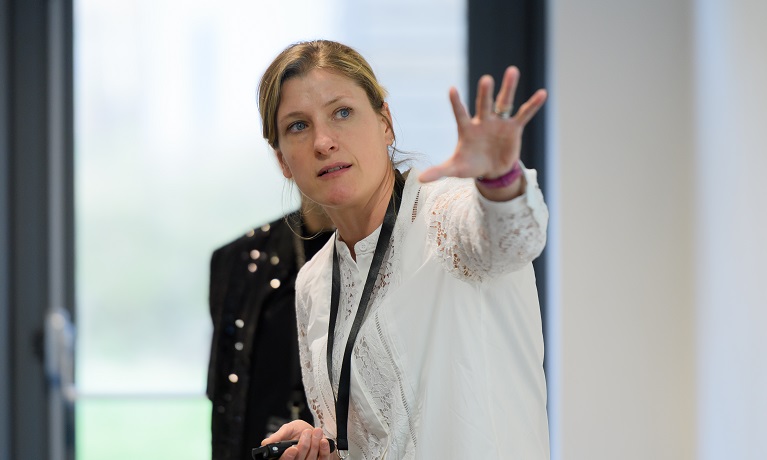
(130, 148)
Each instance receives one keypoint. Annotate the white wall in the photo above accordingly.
(732, 223)
(659, 145)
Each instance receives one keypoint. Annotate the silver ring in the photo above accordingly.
(504, 113)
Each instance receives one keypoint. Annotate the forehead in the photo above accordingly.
(318, 86)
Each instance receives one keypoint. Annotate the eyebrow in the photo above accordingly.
(298, 112)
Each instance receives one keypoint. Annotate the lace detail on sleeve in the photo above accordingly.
(476, 238)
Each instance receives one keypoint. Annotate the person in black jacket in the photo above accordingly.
(254, 376)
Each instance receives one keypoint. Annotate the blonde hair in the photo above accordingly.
(298, 60)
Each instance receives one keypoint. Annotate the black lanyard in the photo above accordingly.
(342, 401)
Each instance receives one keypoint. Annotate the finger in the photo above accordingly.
(528, 110)
(459, 110)
(291, 453)
(484, 102)
(284, 433)
(287, 431)
(304, 445)
(314, 449)
(324, 449)
(504, 102)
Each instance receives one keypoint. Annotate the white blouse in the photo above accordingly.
(449, 361)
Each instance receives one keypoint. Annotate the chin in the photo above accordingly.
(337, 197)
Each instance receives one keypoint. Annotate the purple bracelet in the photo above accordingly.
(504, 180)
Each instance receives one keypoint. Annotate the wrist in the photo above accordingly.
(503, 180)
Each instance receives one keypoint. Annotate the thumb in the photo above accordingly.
(437, 172)
(288, 431)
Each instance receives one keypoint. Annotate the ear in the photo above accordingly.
(283, 165)
(388, 123)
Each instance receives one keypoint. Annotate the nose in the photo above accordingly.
(324, 140)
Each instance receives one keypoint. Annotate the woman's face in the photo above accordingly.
(331, 141)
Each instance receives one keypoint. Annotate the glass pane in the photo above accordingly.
(170, 164)
(130, 429)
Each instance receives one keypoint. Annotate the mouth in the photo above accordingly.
(333, 168)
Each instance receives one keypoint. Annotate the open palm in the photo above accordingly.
(489, 143)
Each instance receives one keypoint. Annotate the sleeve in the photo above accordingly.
(476, 238)
(215, 303)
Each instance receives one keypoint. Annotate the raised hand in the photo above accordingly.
(489, 143)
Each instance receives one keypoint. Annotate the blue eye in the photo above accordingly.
(344, 112)
(297, 126)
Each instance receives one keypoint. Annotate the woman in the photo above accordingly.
(430, 315)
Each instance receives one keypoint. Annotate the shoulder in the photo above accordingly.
(259, 238)
(321, 261)
(317, 271)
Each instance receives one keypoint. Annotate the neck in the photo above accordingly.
(314, 217)
(356, 223)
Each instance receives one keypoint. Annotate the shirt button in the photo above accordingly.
(363, 246)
